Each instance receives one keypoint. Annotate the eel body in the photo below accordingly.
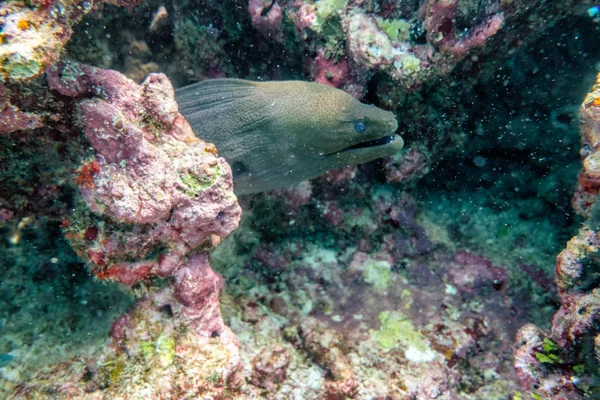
(276, 134)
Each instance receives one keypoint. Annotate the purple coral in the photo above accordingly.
(472, 272)
(327, 72)
(266, 17)
(440, 17)
(155, 200)
(150, 170)
(269, 367)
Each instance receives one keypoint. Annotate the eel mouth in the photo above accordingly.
(369, 143)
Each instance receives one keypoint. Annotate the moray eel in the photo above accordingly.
(276, 134)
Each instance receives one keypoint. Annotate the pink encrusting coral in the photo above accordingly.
(13, 119)
(266, 17)
(406, 166)
(150, 170)
(155, 200)
(440, 17)
(472, 272)
(328, 72)
(295, 196)
(178, 336)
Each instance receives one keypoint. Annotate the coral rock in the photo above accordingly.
(326, 347)
(555, 365)
(269, 367)
(406, 166)
(33, 37)
(588, 182)
(330, 73)
(269, 22)
(474, 272)
(150, 171)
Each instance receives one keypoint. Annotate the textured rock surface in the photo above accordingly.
(154, 200)
(560, 364)
(164, 191)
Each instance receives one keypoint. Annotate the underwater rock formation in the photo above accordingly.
(362, 297)
(150, 172)
(166, 346)
(588, 181)
(33, 34)
(33, 37)
(411, 43)
(148, 169)
(154, 200)
(563, 363)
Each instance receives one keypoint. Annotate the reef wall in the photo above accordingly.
(556, 364)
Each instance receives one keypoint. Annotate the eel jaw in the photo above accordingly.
(382, 141)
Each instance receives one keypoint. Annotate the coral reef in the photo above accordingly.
(173, 338)
(360, 284)
(150, 170)
(34, 35)
(374, 319)
(413, 43)
(588, 183)
(562, 363)
(154, 200)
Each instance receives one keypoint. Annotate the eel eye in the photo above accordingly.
(360, 127)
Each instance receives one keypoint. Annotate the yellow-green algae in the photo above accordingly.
(396, 29)
(194, 184)
(325, 8)
(163, 349)
(549, 355)
(379, 274)
(410, 64)
(397, 332)
(20, 68)
(406, 298)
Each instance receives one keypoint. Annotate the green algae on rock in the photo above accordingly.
(397, 331)
(378, 273)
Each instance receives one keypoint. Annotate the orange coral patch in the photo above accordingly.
(210, 148)
(85, 176)
(23, 24)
